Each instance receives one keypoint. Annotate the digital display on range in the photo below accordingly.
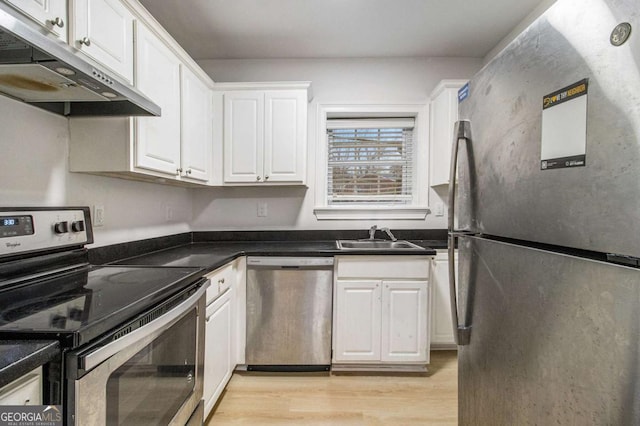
(15, 226)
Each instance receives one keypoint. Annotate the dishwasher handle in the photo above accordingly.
(283, 262)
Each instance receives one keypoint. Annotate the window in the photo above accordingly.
(370, 161)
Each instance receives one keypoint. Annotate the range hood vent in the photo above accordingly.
(39, 69)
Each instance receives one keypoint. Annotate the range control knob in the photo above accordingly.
(77, 226)
(61, 227)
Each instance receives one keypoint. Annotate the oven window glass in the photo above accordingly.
(152, 386)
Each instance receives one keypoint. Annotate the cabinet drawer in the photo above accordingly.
(27, 390)
(221, 280)
(381, 267)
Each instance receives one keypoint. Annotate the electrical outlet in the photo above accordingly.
(262, 209)
(168, 213)
(98, 215)
(439, 209)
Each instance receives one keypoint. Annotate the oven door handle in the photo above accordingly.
(157, 326)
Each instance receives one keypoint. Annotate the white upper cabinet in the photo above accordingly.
(51, 14)
(243, 136)
(195, 157)
(158, 77)
(103, 30)
(175, 147)
(264, 133)
(443, 115)
(285, 135)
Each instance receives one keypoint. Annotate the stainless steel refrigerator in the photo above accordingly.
(547, 153)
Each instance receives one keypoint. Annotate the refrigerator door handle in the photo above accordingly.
(461, 333)
(461, 130)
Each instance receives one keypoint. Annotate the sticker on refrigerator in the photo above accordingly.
(463, 93)
(564, 127)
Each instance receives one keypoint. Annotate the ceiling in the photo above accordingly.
(255, 29)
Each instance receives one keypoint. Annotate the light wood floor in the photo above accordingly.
(344, 399)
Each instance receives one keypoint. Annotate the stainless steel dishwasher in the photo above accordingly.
(289, 313)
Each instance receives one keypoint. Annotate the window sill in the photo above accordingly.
(366, 213)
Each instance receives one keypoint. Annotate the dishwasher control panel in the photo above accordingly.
(289, 261)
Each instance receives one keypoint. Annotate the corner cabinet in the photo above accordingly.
(264, 133)
(174, 147)
(381, 313)
(443, 115)
(157, 145)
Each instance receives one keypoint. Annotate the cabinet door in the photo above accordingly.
(52, 14)
(243, 136)
(157, 139)
(441, 326)
(197, 132)
(217, 351)
(405, 311)
(26, 390)
(103, 30)
(358, 319)
(285, 135)
(443, 115)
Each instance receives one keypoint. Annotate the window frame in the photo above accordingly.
(418, 209)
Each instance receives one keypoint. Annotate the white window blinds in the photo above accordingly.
(370, 161)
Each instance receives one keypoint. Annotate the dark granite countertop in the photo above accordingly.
(212, 255)
(18, 357)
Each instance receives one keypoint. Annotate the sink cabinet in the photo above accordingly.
(381, 312)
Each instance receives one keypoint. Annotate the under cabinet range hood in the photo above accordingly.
(39, 69)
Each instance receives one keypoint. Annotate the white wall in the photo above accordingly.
(34, 172)
(334, 81)
(528, 20)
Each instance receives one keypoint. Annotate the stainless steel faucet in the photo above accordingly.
(388, 232)
(372, 232)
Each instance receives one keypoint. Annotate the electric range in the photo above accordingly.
(100, 314)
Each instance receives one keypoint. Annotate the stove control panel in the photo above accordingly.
(24, 230)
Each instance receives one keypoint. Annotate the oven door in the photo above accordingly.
(152, 375)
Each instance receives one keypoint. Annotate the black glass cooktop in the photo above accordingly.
(80, 305)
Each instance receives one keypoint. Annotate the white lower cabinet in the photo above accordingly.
(224, 330)
(358, 310)
(219, 351)
(404, 321)
(26, 390)
(381, 311)
(441, 325)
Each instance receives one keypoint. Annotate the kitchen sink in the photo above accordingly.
(376, 245)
